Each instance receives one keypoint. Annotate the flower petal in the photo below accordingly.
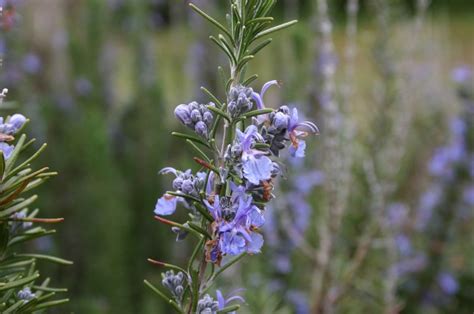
(166, 205)
(256, 244)
(298, 150)
(257, 169)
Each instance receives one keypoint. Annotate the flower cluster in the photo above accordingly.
(174, 283)
(237, 142)
(452, 165)
(449, 198)
(236, 201)
(17, 179)
(8, 128)
(240, 100)
(207, 305)
(196, 116)
(25, 294)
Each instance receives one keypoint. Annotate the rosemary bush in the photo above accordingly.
(226, 198)
(22, 289)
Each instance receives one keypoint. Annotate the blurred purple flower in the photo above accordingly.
(448, 284)
(31, 63)
(468, 195)
(299, 300)
(427, 203)
(83, 86)
(410, 265)
(397, 214)
(462, 74)
(404, 244)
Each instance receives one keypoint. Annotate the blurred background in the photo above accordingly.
(100, 79)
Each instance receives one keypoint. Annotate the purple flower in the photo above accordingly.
(448, 284)
(83, 86)
(304, 183)
(255, 165)
(239, 100)
(462, 74)
(403, 244)
(185, 182)
(13, 124)
(6, 149)
(299, 300)
(397, 214)
(258, 97)
(225, 301)
(31, 63)
(232, 243)
(166, 205)
(235, 219)
(196, 116)
(469, 195)
(17, 121)
(296, 131)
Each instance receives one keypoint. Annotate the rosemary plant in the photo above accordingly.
(237, 141)
(21, 288)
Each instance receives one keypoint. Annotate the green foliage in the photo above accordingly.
(247, 22)
(18, 272)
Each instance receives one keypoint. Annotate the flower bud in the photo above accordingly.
(177, 183)
(280, 121)
(207, 117)
(201, 129)
(196, 115)
(285, 110)
(182, 113)
(17, 121)
(187, 186)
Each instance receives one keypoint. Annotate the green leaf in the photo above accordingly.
(196, 250)
(257, 112)
(29, 160)
(219, 112)
(229, 308)
(244, 61)
(275, 29)
(211, 95)
(260, 46)
(191, 138)
(14, 156)
(28, 236)
(211, 19)
(194, 289)
(45, 305)
(187, 196)
(14, 307)
(248, 81)
(260, 20)
(2, 165)
(204, 211)
(224, 47)
(49, 289)
(199, 151)
(47, 258)
(4, 237)
(199, 229)
(19, 282)
(18, 180)
(163, 296)
(19, 206)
